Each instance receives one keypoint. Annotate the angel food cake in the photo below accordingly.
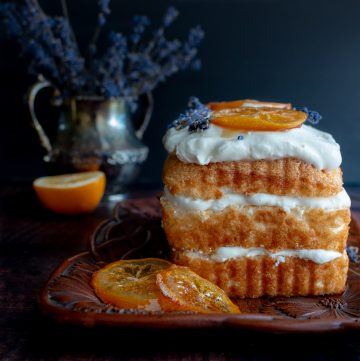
(253, 199)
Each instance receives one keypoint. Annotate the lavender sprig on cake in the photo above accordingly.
(313, 116)
(196, 117)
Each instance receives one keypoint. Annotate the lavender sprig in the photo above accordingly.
(170, 15)
(8, 13)
(104, 11)
(67, 17)
(353, 253)
(141, 22)
(196, 117)
(109, 69)
(313, 117)
(146, 69)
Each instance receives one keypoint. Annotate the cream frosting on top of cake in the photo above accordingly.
(217, 144)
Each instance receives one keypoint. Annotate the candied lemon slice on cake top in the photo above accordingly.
(258, 119)
(129, 283)
(254, 115)
(184, 290)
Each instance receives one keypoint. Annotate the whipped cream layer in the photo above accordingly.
(216, 144)
(339, 201)
(222, 254)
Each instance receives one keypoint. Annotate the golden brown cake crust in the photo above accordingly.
(286, 176)
(261, 276)
(255, 226)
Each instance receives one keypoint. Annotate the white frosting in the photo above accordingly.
(339, 201)
(222, 254)
(214, 145)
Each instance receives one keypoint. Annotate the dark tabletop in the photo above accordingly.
(33, 242)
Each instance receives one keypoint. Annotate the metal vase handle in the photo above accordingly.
(33, 92)
(149, 110)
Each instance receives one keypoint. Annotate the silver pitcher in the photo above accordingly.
(94, 133)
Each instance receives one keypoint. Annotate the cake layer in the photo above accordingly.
(217, 144)
(255, 226)
(288, 176)
(261, 276)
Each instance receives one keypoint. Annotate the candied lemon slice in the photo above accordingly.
(129, 283)
(182, 289)
(247, 103)
(71, 193)
(258, 119)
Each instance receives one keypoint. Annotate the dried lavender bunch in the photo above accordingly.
(197, 117)
(129, 67)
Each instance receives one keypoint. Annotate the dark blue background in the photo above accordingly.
(304, 52)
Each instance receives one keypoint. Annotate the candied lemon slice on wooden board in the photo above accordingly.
(184, 290)
(251, 103)
(129, 283)
(258, 119)
(71, 193)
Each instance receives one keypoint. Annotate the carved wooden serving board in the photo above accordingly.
(135, 231)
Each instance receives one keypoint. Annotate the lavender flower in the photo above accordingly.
(104, 6)
(195, 36)
(313, 117)
(104, 10)
(170, 15)
(71, 64)
(196, 64)
(7, 11)
(186, 55)
(197, 117)
(166, 48)
(128, 67)
(109, 69)
(140, 24)
(353, 253)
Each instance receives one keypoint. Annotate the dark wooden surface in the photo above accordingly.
(33, 242)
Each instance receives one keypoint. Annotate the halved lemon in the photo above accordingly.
(71, 193)
(251, 103)
(182, 289)
(258, 119)
(129, 283)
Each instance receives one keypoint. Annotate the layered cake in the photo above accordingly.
(254, 199)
